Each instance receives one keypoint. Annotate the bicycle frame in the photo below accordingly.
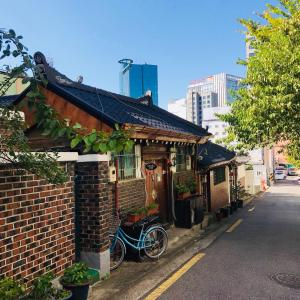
(137, 244)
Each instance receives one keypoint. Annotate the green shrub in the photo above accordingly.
(77, 274)
(181, 188)
(10, 289)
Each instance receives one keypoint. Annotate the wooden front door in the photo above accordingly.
(156, 186)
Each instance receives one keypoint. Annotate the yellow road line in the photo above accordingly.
(171, 280)
(251, 209)
(236, 224)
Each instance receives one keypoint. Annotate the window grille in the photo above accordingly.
(219, 175)
(127, 163)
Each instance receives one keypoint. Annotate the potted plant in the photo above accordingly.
(43, 289)
(182, 191)
(10, 289)
(77, 280)
(218, 216)
(192, 186)
(225, 212)
(137, 214)
(233, 204)
(152, 209)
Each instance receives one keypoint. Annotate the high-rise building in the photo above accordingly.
(212, 91)
(178, 107)
(135, 80)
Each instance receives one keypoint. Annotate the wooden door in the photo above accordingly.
(156, 186)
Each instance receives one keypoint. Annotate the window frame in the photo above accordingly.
(219, 175)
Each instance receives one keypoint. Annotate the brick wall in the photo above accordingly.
(36, 224)
(131, 194)
(92, 206)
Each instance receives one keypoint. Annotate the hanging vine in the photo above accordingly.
(14, 146)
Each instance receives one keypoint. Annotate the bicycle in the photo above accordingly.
(153, 240)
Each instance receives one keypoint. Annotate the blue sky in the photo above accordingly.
(186, 39)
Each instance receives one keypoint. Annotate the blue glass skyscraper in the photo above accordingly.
(136, 80)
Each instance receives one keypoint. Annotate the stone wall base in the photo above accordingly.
(99, 261)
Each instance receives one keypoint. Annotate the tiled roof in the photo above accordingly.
(210, 154)
(7, 100)
(115, 108)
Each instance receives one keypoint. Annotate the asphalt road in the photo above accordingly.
(240, 264)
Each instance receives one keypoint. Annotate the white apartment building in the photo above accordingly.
(212, 91)
(178, 107)
(213, 123)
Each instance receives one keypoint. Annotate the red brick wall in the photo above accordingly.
(92, 206)
(36, 224)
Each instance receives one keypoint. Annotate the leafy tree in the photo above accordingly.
(267, 107)
(14, 147)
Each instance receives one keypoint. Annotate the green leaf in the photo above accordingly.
(77, 126)
(75, 141)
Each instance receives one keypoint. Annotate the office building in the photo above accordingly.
(178, 107)
(212, 91)
(135, 80)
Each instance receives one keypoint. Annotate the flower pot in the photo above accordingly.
(225, 212)
(240, 203)
(79, 292)
(234, 205)
(153, 211)
(218, 216)
(131, 218)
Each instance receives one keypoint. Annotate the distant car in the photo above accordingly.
(292, 172)
(279, 175)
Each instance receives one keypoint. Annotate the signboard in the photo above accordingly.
(150, 166)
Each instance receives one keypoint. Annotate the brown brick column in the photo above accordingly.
(93, 211)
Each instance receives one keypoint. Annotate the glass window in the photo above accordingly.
(126, 165)
(181, 159)
(219, 175)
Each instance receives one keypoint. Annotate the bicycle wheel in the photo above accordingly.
(117, 252)
(155, 242)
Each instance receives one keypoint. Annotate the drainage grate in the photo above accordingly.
(290, 280)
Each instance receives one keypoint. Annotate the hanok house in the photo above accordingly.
(219, 175)
(164, 155)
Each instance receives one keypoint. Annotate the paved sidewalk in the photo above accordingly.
(134, 279)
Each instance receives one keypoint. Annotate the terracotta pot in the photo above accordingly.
(134, 218)
(153, 211)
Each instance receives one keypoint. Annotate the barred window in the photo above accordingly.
(219, 175)
(127, 165)
(180, 159)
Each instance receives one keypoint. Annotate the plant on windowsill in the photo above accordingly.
(182, 191)
(43, 289)
(10, 289)
(77, 280)
(152, 209)
(137, 214)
